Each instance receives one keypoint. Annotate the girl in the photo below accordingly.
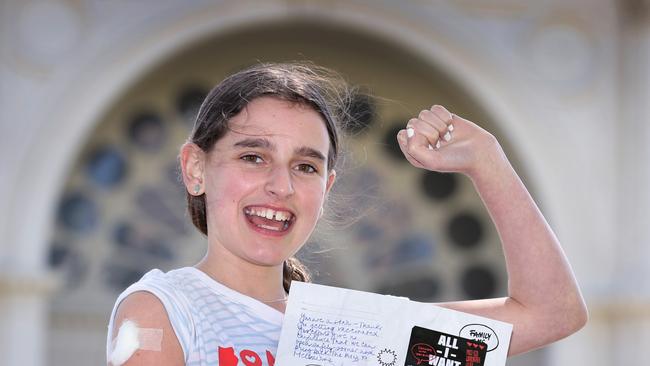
(258, 167)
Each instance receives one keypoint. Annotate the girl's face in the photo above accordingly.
(265, 182)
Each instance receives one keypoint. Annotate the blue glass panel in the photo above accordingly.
(124, 235)
(412, 248)
(107, 167)
(78, 212)
(58, 254)
(368, 231)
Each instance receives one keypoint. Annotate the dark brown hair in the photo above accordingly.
(305, 83)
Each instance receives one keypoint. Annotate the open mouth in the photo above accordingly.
(277, 221)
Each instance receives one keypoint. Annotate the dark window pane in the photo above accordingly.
(465, 230)
(479, 282)
(69, 263)
(124, 235)
(391, 145)
(119, 277)
(76, 268)
(78, 213)
(147, 131)
(58, 255)
(106, 167)
(189, 103)
(159, 249)
(362, 113)
(439, 186)
(132, 242)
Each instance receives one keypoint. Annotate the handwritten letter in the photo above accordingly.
(329, 326)
(323, 338)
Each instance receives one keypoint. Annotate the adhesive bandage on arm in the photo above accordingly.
(130, 338)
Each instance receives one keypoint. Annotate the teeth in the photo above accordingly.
(269, 214)
(268, 227)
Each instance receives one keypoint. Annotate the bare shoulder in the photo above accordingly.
(146, 311)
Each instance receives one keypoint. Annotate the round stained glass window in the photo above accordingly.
(106, 167)
(413, 248)
(124, 235)
(438, 186)
(362, 113)
(465, 230)
(391, 145)
(69, 263)
(479, 282)
(58, 254)
(147, 131)
(189, 102)
(78, 213)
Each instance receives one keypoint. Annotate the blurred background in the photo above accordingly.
(96, 97)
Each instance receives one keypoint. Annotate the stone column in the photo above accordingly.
(628, 310)
(23, 319)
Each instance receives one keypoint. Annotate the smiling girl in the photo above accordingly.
(258, 167)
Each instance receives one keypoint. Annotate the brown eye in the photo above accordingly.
(306, 168)
(252, 158)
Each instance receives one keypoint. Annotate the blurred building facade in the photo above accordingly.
(97, 96)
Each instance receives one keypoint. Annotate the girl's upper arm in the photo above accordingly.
(531, 328)
(146, 311)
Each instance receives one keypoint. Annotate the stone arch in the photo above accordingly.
(78, 111)
(107, 84)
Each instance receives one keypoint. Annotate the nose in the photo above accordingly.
(279, 183)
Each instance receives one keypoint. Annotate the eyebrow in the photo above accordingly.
(266, 144)
(255, 142)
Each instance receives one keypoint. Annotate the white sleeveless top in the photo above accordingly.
(214, 324)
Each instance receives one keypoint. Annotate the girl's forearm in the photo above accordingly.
(540, 276)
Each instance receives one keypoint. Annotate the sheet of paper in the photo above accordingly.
(329, 326)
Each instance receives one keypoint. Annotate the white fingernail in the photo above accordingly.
(430, 147)
(438, 144)
(447, 136)
(410, 132)
(450, 128)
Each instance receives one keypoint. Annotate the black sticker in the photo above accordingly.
(430, 347)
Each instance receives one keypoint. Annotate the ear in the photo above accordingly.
(331, 177)
(192, 166)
